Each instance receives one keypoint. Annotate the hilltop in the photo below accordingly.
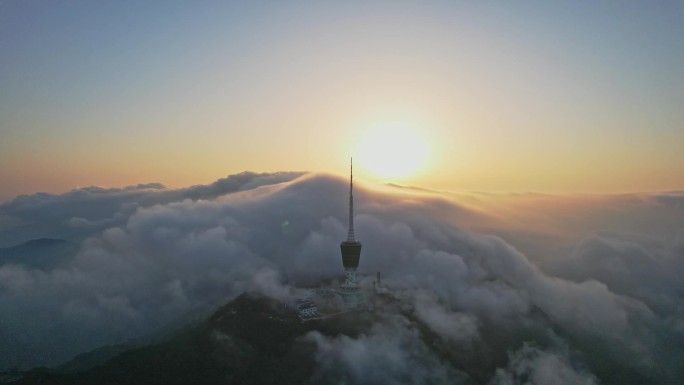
(253, 339)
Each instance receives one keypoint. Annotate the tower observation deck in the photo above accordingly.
(351, 254)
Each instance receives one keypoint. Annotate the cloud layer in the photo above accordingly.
(81, 212)
(608, 310)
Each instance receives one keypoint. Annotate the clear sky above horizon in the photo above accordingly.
(507, 96)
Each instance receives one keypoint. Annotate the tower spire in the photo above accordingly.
(350, 234)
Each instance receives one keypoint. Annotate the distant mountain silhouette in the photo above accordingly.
(251, 340)
(41, 253)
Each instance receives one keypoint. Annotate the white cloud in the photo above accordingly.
(391, 353)
(532, 366)
(167, 260)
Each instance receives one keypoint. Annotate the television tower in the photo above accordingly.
(351, 253)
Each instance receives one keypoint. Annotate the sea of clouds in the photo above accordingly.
(519, 288)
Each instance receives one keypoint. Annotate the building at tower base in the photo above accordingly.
(352, 296)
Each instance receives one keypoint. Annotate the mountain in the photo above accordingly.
(251, 340)
(41, 253)
(256, 339)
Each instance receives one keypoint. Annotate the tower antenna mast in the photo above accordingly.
(350, 234)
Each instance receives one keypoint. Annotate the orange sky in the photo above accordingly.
(533, 97)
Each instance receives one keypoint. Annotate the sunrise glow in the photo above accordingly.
(393, 150)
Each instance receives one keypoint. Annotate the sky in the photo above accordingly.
(578, 96)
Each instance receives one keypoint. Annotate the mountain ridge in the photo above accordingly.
(253, 339)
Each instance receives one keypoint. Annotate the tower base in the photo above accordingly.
(352, 296)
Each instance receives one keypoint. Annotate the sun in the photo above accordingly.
(392, 151)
